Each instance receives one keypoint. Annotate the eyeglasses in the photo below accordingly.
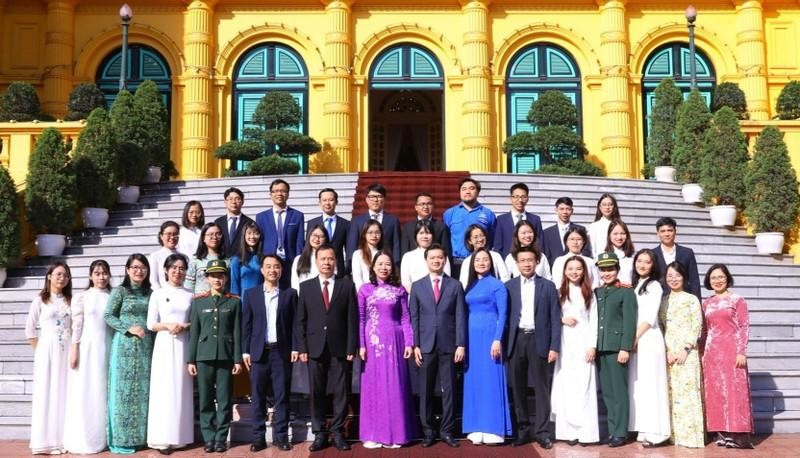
(374, 197)
(477, 237)
(279, 191)
(317, 237)
(214, 235)
(178, 268)
(171, 235)
(138, 268)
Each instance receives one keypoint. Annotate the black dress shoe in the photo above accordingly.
(283, 445)
(340, 443)
(221, 447)
(319, 443)
(258, 446)
(427, 441)
(166, 451)
(616, 442)
(450, 440)
(545, 443)
(522, 439)
(209, 447)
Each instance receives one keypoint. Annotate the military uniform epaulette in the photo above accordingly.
(203, 294)
(231, 295)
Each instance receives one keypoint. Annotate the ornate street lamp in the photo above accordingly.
(691, 15)
(125, 14)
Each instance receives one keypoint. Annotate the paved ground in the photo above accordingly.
(775, 446)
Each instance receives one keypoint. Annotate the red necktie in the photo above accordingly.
(436, 291)
(325, 297)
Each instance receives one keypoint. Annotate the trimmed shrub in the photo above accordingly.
(10, 242)
(724, 160)
(273, 165)
(95, 162)
(663, 118)
(132, 167)
(553, 108)
(50, 191)
(690, 130)
(83, 100)
(773, 200)
(236, 150)
(132, 160)
(788, 105)
(277, 110)
(730, 95)
(152, 123)
(19, 103)
(571, 167)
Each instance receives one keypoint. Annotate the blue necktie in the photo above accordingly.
(329, 226)
(280, 230)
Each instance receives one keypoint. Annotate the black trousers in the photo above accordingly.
(432, 364)
(322, 371)
(272, 365)
(523, 357)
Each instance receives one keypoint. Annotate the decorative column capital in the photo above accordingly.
(194, 4)
(611, 3)
(474, 3)
(338, 4)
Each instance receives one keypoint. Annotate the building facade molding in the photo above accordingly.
(425, 36)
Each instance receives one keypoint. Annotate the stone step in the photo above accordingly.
(774, 380)
(783, 422)
(775, 330)
(15, 428)
(773, 361)
(15, 405)
(16, 365)
(14, 349)
(775, 400)
(16, 384)
(773, 344)
(12, 334)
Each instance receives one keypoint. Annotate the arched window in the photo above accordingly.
(406, 67)
(534, 70)
(144, 63)
(673, 60)
(264, 68)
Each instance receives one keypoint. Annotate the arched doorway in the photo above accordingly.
(405, 110)
(144, 63)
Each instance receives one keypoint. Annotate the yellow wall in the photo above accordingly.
(748, 41)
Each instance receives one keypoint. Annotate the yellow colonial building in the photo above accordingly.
(402, 84)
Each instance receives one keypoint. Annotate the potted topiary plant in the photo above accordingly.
(132, 160)
(95, 165)
(690, 129)
(730, 95)
(50, 193)
(772, 197)
(722, 168)
(20, 103)
(152, 129)
(788, 105)
(661, 135)
(10, 243)
(83, 100)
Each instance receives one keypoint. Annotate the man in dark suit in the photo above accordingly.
(423, 205)
(534, 340)
(283, 229)
(553, 237)
(233, 221)
(376, 197)
(267, 328)
(668, 251)
(336, 227)
(439, 321)
(326, 329)
(507, 222)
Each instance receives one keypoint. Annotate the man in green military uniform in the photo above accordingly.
(215, 354)
(616, 322)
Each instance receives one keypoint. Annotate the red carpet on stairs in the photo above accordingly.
(402, 187)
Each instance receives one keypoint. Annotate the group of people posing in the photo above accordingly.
(303, 307)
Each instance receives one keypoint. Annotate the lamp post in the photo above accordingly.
(125, 14)
(691, 15)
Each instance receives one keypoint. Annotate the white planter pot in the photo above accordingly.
(94, 217)
(128, 194)
(692, 193)
(153, 175)
(50, 244)
(665, 173)
(769, 242)
(2, 276)
(723, 215)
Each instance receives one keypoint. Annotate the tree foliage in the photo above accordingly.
(788, 105)
(10, 241)
(238, 151)
(553, 108)
(132, 161)
(50, 191)
(20, 103)
(151, 124)
(724, 160)
(663, 118)
(277, 110)
(692, 122)
(273, 165)
(730, 95)
(96, 163)
(571, 167)
(83, 100)
(772, 197)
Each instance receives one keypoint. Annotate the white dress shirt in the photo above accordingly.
(280, 250)
(413, 267)
(527, 289)
(542, 268)
(271, 306)
(500, 269)
(361, 270)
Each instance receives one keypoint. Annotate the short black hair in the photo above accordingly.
(434, 246)
(666, 221)
(324, 190)
(231, 190)
(522, 186)
(279, 181)
(677, 267)
(724, 269)
(564, 200)
(529, 249)
(376, 187)
(470, 180)
(422, 194)
(325, 247)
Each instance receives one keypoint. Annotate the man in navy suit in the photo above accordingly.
(504, 232)
(376, 197)
(668, 251)
(439, 321)
(534, 340)
(267, 325)
(423, 205)
(283, 229)
(336, 227)
(326, 327)
(233, 219)
(553, 238)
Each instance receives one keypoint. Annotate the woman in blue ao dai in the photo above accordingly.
(386, 340)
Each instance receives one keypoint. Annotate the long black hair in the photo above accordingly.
(126, 282)
(202, 248)
(245, 253)
(304, 261)
(44, 294)
(104, 265)
(393, 277)
(473, 276)
(655, 271)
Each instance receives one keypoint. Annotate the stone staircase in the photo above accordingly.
(768, 283)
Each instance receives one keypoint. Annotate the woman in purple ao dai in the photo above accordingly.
(387, 415)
